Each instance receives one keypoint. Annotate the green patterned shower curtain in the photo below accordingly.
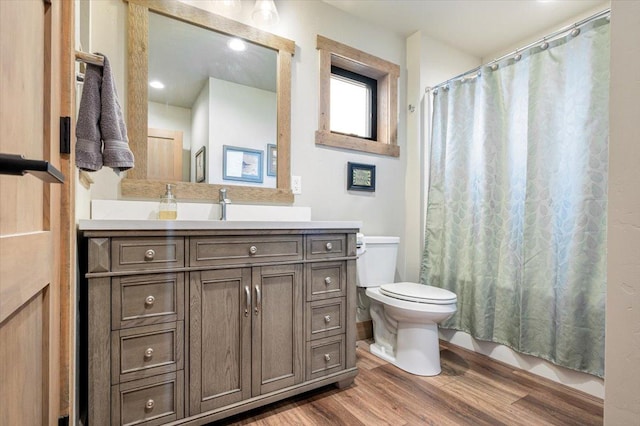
(517, 201)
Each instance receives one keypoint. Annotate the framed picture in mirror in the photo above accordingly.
(242, 164)
(201, 165)
(272, 159)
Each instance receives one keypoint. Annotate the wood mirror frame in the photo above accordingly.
(136, 184)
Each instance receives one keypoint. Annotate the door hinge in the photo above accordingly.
(65, 135)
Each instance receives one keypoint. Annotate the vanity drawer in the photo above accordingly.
(142, 352)
(135, 254)
(147, 299)
(326, 246)
(326, 280)
(208, 251)
(153, 401)
(325, 356)
(325, 318)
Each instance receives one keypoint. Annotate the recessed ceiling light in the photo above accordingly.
(156, 84)
(236, 44)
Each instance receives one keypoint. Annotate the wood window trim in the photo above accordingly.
(385, 72)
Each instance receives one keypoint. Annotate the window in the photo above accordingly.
(358, 100)
(353, 105)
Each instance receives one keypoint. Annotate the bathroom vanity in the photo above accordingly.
(193, 321)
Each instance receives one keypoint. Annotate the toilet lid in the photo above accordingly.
(419, 293)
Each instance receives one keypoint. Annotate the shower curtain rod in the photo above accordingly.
(544, 39)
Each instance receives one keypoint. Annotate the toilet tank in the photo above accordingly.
(376, 262)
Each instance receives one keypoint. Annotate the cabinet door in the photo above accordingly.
(220, 338)
(278, 335)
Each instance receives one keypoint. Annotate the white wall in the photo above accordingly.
(323, 169)
(622, 357)
(243, 117)
(201, 128)
(171, 117)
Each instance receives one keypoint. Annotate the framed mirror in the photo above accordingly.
(252, 109)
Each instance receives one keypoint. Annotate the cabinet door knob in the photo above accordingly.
(327, 319)
(148, 353)
(150, 404)
(149, 254)
(327, 357)
(329, 246)
(253, 250)
(327, 281)
(149, 301)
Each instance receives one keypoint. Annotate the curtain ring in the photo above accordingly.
(544, 45)
(574, 32)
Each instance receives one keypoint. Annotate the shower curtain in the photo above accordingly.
(516, 210)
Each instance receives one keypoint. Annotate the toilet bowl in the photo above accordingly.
(405, 315)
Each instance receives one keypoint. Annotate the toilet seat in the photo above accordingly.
(418, 293)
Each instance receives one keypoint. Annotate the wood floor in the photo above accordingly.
(471, 390)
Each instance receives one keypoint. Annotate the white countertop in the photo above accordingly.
(151, 225)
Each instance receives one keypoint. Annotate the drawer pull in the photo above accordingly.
(328, 281)
(329, 246)
(327, 319)
(149, 301)
(253, 250)
(148, 353)
(149, 254)
(149, 405)
(327, 357)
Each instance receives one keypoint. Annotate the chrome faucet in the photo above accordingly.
(222, 198)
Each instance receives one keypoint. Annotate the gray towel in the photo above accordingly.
(89, 140)
(100, 120)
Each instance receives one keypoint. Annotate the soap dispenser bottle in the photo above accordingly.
(168, 206)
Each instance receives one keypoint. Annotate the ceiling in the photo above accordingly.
(477, 27)
(184, 56)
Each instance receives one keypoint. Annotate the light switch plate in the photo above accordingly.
(296, 184)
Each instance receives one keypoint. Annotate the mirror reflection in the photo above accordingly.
(210, 90)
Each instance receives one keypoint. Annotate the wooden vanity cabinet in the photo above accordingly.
(188, 327)
(246, 333)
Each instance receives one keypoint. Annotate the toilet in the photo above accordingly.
(405, 315)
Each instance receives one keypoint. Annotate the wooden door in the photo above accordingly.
(278, 332)
(30, 101)
(220, 338)
(164, 155)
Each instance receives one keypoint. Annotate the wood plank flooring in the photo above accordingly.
(471, 390)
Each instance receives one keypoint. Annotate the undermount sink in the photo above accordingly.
(142, 215)
(141, 225)
(148, 210)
